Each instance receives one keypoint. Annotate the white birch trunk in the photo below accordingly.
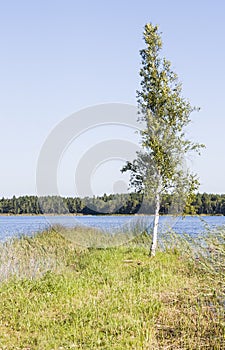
(156, 222)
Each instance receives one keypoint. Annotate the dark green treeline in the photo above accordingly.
(132, 203)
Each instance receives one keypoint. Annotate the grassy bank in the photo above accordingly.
(56, 294)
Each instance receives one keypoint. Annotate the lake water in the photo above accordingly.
(15, 226)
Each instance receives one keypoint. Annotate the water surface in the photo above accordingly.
(15, 226)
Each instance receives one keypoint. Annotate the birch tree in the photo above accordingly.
(164, 115)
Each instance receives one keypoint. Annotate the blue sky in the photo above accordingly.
(58, 57)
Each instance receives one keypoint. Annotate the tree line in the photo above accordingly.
(132, 203)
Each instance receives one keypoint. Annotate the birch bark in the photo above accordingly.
(156, 221)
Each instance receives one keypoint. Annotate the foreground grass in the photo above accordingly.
(57, 295)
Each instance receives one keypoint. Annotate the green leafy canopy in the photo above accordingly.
(164, 115)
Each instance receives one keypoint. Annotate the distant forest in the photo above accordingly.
(132, 203)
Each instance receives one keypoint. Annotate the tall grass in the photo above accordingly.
(31, 257)
(58, 294)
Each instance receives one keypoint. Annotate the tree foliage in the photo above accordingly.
(203, 203)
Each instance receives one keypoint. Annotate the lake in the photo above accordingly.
(15, 226)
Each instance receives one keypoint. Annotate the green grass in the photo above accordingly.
(56, 294)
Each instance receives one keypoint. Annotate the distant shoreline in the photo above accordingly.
(102, 214)
(120, 204)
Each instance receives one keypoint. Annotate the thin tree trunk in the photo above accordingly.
(155, 223)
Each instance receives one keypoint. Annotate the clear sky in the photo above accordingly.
(58, 57)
